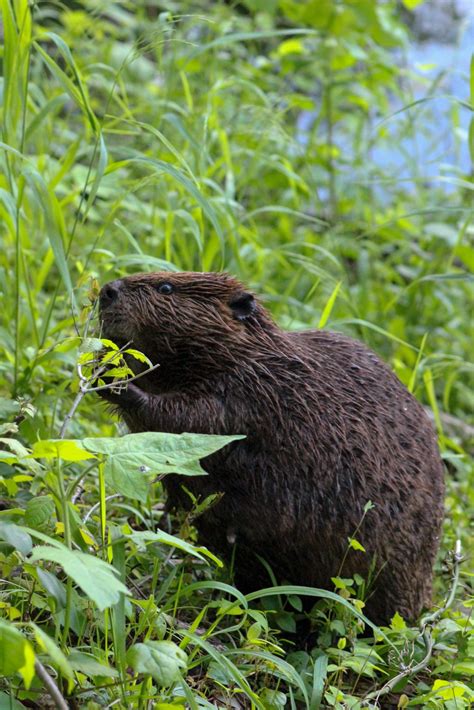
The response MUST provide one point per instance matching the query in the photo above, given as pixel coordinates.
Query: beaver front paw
(127, 396)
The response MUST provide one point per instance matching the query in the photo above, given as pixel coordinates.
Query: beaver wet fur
(328, 428)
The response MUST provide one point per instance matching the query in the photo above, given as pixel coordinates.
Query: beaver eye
(165, 289)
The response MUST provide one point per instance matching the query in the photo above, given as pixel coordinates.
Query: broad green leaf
(139, 356)
(108, 344)
(40, 513)
(131, 460)
(397, 623)
(53, 586)
(8, 408)
(65, 449)
(8, 702)
(14, 445)
(54, 652)
(273, 699)
(464, 668)
(341, 582)
(286, 621)
(95, 345)
(163, 660)
(90, 666)
(16, 653)
(450, 690)
(16, 537)
(97, 579)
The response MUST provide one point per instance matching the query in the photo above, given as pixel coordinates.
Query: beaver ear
(243, 305)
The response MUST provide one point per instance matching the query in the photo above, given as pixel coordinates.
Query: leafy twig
(84, 387)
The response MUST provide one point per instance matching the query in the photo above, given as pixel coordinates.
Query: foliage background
(247, 137)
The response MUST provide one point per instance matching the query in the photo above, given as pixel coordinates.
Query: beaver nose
(110, 293)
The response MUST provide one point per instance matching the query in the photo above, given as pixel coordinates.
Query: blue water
(436, 146)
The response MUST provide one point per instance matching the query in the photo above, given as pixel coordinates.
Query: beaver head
(186, 322)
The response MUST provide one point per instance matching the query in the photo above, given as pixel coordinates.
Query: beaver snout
(110, 293)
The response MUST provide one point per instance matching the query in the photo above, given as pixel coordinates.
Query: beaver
(328, 427)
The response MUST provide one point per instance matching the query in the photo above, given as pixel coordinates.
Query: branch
(51, 686)
(84, 387)
(116, 383)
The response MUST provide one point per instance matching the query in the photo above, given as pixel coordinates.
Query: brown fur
(328, 427)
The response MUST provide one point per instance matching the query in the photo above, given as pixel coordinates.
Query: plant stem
(68, 542)
(51, 686)
(70, 414)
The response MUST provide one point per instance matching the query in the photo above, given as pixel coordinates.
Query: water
(436, 147)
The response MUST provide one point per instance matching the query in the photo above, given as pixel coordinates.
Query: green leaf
(342, 582)
(65, 449)
(90, 666)
(165, 538)
(319, 679)
(94, 345)
(398, 623)
(286, 621)
(139, 356)
(329, 306)
(53, 586)
(133, 459)
(16, 654)
(40, 513)
(8, 702)
(355, 544)
(291, 46)
(163, 660)
(57, 657)
(254, 631)
(450, 690)
(16, 537)
(96, 578)
(8, 408)
(16, 446)
(273, 699)
(464, 668)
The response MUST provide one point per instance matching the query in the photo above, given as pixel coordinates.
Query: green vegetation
(143, 136)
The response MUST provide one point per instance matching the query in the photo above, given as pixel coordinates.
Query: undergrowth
(209, 136)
